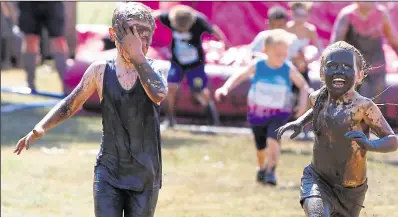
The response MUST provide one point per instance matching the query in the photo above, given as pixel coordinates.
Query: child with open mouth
(335, 182)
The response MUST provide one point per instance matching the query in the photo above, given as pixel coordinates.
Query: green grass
(204, 176)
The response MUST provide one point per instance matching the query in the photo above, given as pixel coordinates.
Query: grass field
(204, 176)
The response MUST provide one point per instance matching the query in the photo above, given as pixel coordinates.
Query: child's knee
(273, 143)
(316, 207)
(261, 146)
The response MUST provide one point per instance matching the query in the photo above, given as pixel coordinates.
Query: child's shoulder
(259, 59)
(313, 96)
(363, 102)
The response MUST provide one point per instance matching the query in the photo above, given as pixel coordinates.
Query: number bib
(270, 96)
(185, 53)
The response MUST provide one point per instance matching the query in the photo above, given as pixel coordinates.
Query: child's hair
(277, 36)
(133, 11)
(304, 5)
(182, 16)
(277, 13)
(323, 92)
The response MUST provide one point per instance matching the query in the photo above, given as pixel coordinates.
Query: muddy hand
(128, 39)
(296, 127)
(27, 140)
(360, 138)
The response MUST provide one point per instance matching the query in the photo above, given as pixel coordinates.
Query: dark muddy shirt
(335, 157)
(366, 34)
(130, 149)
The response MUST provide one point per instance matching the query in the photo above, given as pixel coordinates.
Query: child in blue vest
(270, 99)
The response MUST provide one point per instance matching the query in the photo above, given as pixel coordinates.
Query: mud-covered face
(145, 33)
(339, 72)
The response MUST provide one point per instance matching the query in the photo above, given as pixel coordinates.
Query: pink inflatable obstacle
(233, 18)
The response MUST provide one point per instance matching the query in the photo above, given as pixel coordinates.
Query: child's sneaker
(261, 176)
(270, 178)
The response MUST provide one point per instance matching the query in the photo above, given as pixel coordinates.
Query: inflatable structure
(94, 44)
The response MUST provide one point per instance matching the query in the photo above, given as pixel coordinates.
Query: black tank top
(130, 151)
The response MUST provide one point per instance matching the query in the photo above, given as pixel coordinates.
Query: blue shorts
(196, 77)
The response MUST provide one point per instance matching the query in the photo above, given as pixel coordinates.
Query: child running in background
(306, 34)
(305, 31)
(335, 182)
(269, 99)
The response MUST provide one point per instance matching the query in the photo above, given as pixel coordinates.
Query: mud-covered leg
(316, 207)
(108, 200)
(140, 204)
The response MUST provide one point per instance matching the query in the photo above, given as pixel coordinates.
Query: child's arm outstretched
(297, 125)
(234, 81)
(387, 142)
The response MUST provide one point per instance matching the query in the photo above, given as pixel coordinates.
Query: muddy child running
(335, 182)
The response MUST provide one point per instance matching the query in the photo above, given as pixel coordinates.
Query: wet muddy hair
(133, 11)
(182, 16)
(361, 65)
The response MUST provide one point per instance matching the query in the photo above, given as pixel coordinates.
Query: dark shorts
(110, 201)
(344, 202)
(196, 77)
(6, 27)
(37, 15)
(267, 130)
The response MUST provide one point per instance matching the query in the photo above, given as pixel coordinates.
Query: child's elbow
(159, 98)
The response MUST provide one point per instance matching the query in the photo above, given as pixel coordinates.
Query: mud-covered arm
(72, 103)
(387, 141)
(153, 78)
(340, 27)
(390, 32)
(307, 117)
(297, 125)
